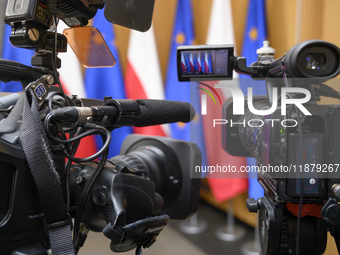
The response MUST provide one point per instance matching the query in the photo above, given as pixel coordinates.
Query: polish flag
(206, 62)
(184, 68)
(226, 185)
(71, 78)
(199, 63)
(192, 68)
(143, 79)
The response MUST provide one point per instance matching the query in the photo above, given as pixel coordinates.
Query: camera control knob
(33, 34)
(252, 205)
(99, 197)
(336, 190)
(80, 180)
(49, 79)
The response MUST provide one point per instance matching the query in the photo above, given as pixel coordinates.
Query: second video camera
(294, 140)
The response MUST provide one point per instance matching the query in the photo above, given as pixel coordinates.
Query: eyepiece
(314, 59)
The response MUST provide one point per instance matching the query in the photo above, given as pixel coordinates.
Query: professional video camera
(296, 144)
(130, 197)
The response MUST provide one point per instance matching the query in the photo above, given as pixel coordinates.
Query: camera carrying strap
(39, 158)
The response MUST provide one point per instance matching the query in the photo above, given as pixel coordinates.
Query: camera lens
(161, 165)
(315, 61)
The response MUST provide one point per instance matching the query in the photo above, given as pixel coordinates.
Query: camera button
(99, 197)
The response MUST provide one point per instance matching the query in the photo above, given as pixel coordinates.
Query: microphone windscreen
(156, 112)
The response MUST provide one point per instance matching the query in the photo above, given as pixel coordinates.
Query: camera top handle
(14, 71)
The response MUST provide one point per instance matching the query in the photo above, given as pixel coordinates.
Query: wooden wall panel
(163, 22)
(240, 9)
(331, 21)
(201, 9)
(311, 19)
(122, 41)
(281, 24)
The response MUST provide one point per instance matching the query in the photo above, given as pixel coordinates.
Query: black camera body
(22, 219)
(130, 197)
(294, 141)
(296, 148)
(276, 148)
(150, 178)
(274, 139)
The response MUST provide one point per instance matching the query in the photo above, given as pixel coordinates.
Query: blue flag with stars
(202, 63)
(183, 34)
(254, 36)
(108, 81)
(10, 52)
(210, 63)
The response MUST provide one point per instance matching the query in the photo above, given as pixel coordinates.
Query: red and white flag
(184, 68)
(206, 62)
(191, 61)
(143, 79)
(220, 32)
(71, 78)
(199, 64)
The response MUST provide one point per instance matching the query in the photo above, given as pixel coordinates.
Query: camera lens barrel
(159, 165)
(251, 132)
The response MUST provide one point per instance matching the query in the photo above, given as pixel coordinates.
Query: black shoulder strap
(39, 158)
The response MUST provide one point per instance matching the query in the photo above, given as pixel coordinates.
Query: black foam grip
(14, 71)
(156, 112)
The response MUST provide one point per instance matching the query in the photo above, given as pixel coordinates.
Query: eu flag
(20, 55)
(254, 36)
(100, 82)
(202, 63)
(183, 33)
(210, 62)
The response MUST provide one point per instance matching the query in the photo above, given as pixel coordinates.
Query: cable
(68, 164)
(47, 123)
(83, 199)
(93, 129)
(50, 107)
(54, 64)
(105, 147)
(54, 93)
